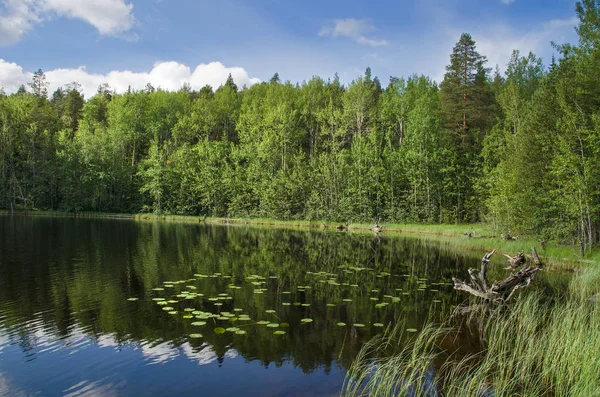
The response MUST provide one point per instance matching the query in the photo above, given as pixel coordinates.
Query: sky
(169, 42)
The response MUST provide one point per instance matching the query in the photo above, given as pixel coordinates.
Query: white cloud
(18, 18)
(109, 17)
(498, 42)
(354, 29)
(166, 75)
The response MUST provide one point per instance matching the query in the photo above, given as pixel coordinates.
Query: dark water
(68, 328)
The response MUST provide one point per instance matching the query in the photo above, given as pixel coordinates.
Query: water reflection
(64, 285)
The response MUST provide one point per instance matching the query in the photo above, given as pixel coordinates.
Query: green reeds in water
(535, 347)
(408, 371)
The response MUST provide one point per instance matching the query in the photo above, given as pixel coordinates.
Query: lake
(123, 307)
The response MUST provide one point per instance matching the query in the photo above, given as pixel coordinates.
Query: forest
(518, 149)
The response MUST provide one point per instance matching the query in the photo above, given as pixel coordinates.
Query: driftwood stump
(515, 261)
(499, 291)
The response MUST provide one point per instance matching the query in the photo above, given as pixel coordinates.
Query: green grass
(537, 347)
(556, 257)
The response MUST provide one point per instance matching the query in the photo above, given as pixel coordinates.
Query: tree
(230, 83)
(39, 85)
(464, 93)
(467, 109)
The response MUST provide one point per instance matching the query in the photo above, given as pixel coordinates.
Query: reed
(537, 347)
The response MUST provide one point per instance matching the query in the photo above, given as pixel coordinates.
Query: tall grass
(538, 347)
(408, 372)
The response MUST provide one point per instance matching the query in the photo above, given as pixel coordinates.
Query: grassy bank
(534, 348)
(557, 257)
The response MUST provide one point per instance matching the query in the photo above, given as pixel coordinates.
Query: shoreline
(556, 257)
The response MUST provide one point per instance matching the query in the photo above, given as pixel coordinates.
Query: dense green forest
(519, 149)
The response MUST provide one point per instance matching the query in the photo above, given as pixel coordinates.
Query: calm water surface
(118, 307)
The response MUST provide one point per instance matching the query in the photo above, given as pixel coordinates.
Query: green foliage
(518, 150)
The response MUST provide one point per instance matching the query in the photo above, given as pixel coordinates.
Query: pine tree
(468, 110)
(464, 92)
(230, 83)
(38, 85)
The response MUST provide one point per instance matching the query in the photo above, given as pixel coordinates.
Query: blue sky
(132, 42)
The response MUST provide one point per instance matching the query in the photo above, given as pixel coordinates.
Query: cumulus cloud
(354, 29)
(166, 75)
(17, 19)
(109, 17)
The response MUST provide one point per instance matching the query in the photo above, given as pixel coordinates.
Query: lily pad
(273, 325)
(168, 308)
(240, 332)
(306, 320)
(359, 325)
(279, 333)
(133, 299)
(195, 336)
(263, 322)
(379, 325)
(412, 330)
(198, 323)
(219, 330)
(341, 324)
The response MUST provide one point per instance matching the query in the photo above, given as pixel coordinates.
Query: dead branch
(515, 261)
(500, 291)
